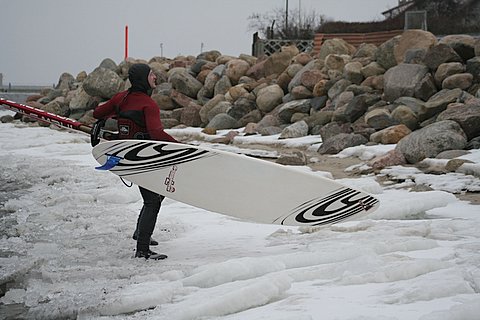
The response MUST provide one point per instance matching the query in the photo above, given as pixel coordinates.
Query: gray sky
(41, 39)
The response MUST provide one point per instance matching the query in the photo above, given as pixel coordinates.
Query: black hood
(138, 76)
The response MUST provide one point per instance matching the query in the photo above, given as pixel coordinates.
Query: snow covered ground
(66, 250)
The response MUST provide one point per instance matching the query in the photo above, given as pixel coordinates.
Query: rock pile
(414, 90)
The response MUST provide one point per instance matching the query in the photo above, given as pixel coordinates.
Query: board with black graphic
(231, 184)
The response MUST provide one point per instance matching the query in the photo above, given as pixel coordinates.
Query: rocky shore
(414, 90)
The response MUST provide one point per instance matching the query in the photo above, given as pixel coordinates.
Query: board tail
(44, 116)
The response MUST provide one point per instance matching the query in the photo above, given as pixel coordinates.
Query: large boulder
(335, 46)
(66, 82)
(413, 39)
(235, 69)
(407, 80)
(211, 80)
(279, 61)
(185, 83)
(103, 83)
(81, 101)
(385, 56)
(467, 115)
(269, 97)
(463, 44)
(429, 141)
(439, 54)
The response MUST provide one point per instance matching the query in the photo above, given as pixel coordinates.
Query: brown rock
(390, 135)
(461, 80)
(417, 39)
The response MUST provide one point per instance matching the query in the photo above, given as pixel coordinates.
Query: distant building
(1, 79)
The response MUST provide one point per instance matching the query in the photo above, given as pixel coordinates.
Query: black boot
(149, 254)
(152, 241)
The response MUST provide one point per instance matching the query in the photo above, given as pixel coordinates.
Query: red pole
(126, 42)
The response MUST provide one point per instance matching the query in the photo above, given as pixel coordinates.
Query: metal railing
(270, 46)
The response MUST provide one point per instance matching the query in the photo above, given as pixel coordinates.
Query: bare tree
(277, 24)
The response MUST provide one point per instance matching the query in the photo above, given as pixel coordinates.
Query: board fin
(111, 162)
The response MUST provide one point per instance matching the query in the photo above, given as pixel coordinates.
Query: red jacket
(136, 101)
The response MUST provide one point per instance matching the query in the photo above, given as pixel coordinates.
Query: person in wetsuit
(138, 117)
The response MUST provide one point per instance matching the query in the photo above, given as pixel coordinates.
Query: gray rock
(338, 88)
(334, 128)
(81, 100)
(296, 130)
(405, 115)
(286, 111)
(353, 72)
(319, 118)
(294, 158)
(473, 67)
(473, 144)
(429, 141)
(221, 107)
(413, 103)
(190, 116)
(403, 80)
(335, 62)
(354, 109)
(385, 54)
(269, 131)
(251, 117)
(438, 102)
(464, 45)
(7, 119)
(447, 69)
(379, 119)
(223, 121)
(297, 77)
(415, 55)
(241, 107)
(222, 86)
(450, 154)
(235, 69)
(366, 50)
(372, 69)
(439, 54)
(66, 82)
(341, 141)
(108, 64)
(211, 80)
(57, 108)
(467, 115)
(269, 97)
(103, 83)
(280, 60)
(185, 83)
(335, 46)
(205, 110)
